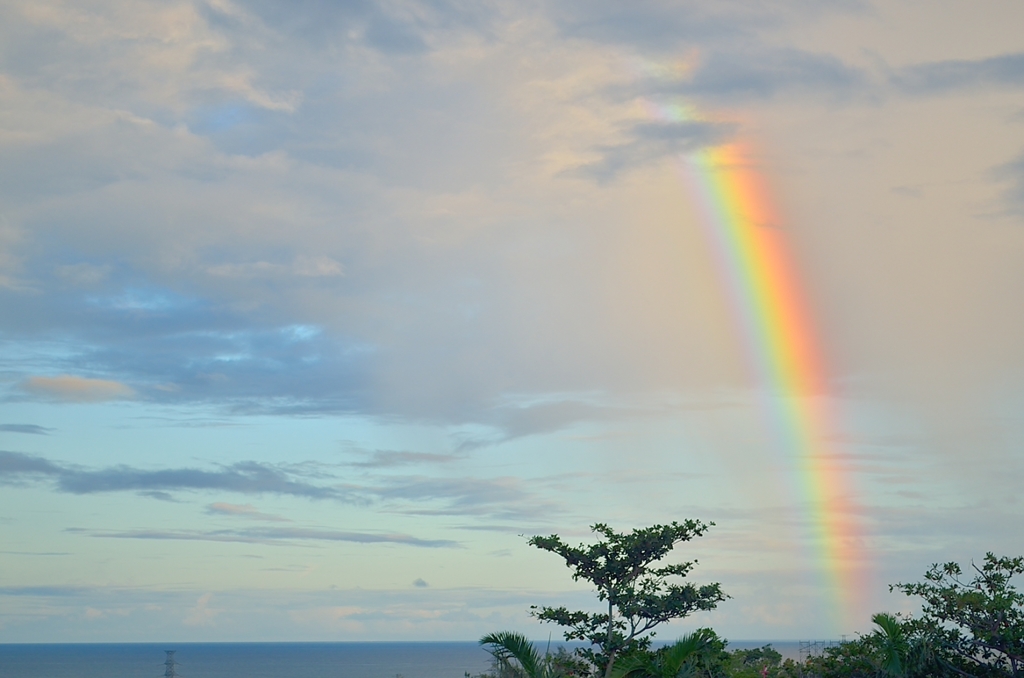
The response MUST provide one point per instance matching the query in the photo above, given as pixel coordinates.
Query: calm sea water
(259, 660)
(244, 660)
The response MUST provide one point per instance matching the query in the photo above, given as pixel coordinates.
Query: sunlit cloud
(202, 614)
(242, 511)
(75, 389)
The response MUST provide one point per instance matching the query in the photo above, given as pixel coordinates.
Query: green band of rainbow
(784, 354)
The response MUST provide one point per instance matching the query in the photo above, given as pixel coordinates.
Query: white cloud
(202, 614)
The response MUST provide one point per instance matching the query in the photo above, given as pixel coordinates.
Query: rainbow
(775, 322)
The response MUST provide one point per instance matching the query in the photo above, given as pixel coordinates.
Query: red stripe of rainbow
(783, 351)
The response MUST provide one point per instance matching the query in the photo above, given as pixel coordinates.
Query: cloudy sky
(311, 313)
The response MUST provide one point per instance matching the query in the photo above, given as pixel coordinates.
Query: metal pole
(170, 664)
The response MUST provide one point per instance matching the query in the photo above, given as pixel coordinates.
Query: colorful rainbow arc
(783, 350)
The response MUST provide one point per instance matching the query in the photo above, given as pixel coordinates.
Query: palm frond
(894, 644)
(680, 657)
(507, 645)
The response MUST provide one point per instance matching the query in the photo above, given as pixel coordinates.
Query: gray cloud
(511, 420)
(665, 25)
(752, 73)
(1012, 175)
(393, 458)
(734, 59)
(657, 25)
(159, 495)
(649, 142)
(454, 293)
(32, 429)
(174, 350)
(956, 74)
(332, 25)
(45, 591)
(768, 73)
(396, 29)
(277, 536)
(14, 466)
(499, 498)
(241, 323)
(371, 278)
(245, 478)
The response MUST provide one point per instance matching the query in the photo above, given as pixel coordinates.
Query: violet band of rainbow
(783, 352)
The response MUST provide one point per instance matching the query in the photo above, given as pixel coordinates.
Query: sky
(311, 314)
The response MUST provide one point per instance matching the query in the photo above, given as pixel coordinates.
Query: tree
(638, 595)
(980, 622)
(700, 654)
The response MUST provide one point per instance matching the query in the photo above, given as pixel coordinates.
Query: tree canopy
(638, 596)
(980, 622)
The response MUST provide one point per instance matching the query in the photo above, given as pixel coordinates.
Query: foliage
(979, 623)
(850, 659)
(516, 657)
(894, 645)
(507, 646)
(696, 655)
(569, 665)
(703, 654)
(754, 663)
(897, 648)
(638, 595)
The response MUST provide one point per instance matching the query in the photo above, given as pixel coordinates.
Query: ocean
(260, 660)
